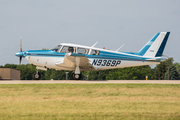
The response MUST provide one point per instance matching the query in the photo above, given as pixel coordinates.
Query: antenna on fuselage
(119, 48)
(95, 44)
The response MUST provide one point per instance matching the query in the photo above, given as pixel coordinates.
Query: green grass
(90, 101)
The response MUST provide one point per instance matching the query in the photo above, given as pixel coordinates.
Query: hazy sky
(45, 23)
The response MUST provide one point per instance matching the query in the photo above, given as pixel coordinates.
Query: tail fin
(155, 47)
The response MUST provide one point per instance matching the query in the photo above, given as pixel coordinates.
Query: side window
(82, 51)
(95, 52)
(67, 49)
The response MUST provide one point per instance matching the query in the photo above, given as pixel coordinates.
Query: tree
(26, 71)
(1, 66)
(177, 65)
(95, 75)
(131, 73)
(173, 74)
(10, 66)
(162, 68)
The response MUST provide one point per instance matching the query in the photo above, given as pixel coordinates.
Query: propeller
(20, 58)
(20, 54)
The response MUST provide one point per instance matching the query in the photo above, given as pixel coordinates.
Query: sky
(46, 23)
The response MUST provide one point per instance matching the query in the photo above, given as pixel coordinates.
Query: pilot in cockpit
(70, 49)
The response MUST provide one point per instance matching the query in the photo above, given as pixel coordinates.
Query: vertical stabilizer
(155, 47)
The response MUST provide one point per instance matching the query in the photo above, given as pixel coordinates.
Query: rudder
(155, 47)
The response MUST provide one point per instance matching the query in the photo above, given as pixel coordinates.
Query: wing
(72, 60)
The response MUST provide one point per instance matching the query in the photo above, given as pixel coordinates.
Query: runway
(88, 82)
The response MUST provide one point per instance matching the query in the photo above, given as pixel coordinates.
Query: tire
(36, 76)
(76, 76)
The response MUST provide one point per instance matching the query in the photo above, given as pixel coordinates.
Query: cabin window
(95, 52)
(82, 50)
(57, 48)
(68, 49)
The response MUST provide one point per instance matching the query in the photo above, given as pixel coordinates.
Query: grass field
(90, 101)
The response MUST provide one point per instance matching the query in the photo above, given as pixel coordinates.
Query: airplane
(78, 58)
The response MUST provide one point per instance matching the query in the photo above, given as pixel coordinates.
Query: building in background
(9, 74)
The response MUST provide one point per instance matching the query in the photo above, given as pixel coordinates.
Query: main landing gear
(36, 75)
(76, 76)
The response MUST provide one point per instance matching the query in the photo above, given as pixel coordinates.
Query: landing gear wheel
(36, 76)
(76, 76)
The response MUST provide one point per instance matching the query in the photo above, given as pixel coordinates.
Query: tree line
(166, 70)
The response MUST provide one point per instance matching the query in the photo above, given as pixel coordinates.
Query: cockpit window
(95, 52)
(68, 49)
(82, 50)
(57, 48)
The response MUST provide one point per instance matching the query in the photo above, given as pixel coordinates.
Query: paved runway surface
(87, 82)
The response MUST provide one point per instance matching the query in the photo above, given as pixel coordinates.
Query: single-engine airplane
(79, 58)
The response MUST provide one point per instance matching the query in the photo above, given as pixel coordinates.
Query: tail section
(155, 47)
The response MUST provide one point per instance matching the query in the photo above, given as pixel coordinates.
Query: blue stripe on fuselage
(102, 55)
(44, 53)
(119, 56)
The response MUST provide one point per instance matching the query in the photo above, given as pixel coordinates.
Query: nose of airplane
(18, 54)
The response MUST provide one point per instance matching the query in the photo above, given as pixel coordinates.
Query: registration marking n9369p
(101, 62)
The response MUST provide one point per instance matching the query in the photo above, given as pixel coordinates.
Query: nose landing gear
(36, 75)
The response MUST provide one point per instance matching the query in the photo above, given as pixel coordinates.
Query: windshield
(57, 48)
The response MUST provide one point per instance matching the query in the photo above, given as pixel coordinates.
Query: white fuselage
(49, 62)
